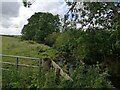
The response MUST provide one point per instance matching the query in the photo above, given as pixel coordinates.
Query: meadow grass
(15, 46)
(23, 76)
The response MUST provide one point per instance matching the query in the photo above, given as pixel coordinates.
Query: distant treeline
(11, 35)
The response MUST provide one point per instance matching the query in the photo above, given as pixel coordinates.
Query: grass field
(13, 45)
(25, 77)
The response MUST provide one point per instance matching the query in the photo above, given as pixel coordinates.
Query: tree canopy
(93, 14)
(40, 25)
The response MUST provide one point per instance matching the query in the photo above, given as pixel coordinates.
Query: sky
(13, 15)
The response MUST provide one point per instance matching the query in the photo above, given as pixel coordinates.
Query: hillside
(13, 45)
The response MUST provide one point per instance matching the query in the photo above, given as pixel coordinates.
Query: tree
(99, 16)
(92, 14)
(40, 25)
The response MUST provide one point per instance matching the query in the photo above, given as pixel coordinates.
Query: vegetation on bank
(90, 77)
(83, 76)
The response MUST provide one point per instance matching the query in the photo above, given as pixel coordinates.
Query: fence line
(62, 73)
(26, 65)
(55, 65)
(22, 57)
(17, 60)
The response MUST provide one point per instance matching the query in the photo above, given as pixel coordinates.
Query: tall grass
(23, 77)
(14, 46)
(28, 78)
(92, 77)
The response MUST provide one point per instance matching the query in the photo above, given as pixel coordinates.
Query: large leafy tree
(92, 14)
(102, 20)
(96, 16)
(40, 25)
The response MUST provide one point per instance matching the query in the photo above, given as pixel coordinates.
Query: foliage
(93, 46)
(92, 15)
(28, 78)
(88, 77)
(39, 26)
(83, 77)
(104, 19)
(51, 38)
(66, 41)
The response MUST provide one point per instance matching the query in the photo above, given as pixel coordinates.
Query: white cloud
(52, 6)
(15, 24)
(10, 31)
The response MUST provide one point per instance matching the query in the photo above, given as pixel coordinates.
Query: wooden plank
(8, 63)
(26, 65)
(22, 57)
(4, 69)
(66, 76)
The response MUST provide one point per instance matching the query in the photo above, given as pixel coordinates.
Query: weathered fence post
(46, 64)
(39, 64)
(42, 63)
(17, 61)
(57, 71)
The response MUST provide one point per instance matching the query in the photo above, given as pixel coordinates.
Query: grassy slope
(14, 46)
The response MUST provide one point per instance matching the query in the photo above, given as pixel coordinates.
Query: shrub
(66, 41)
(88, 77)
(28, 78)
(51, 38)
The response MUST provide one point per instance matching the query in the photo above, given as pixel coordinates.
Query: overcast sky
(15, 15)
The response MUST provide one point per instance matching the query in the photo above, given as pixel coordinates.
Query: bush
(93, 46)
(51, 38)
(83, 77)
(28, 78)
(88, 77)
(66, 41)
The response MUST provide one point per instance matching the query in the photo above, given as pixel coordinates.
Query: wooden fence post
(17, 61)
(46, 64)
(57, 71)
(40, 64)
